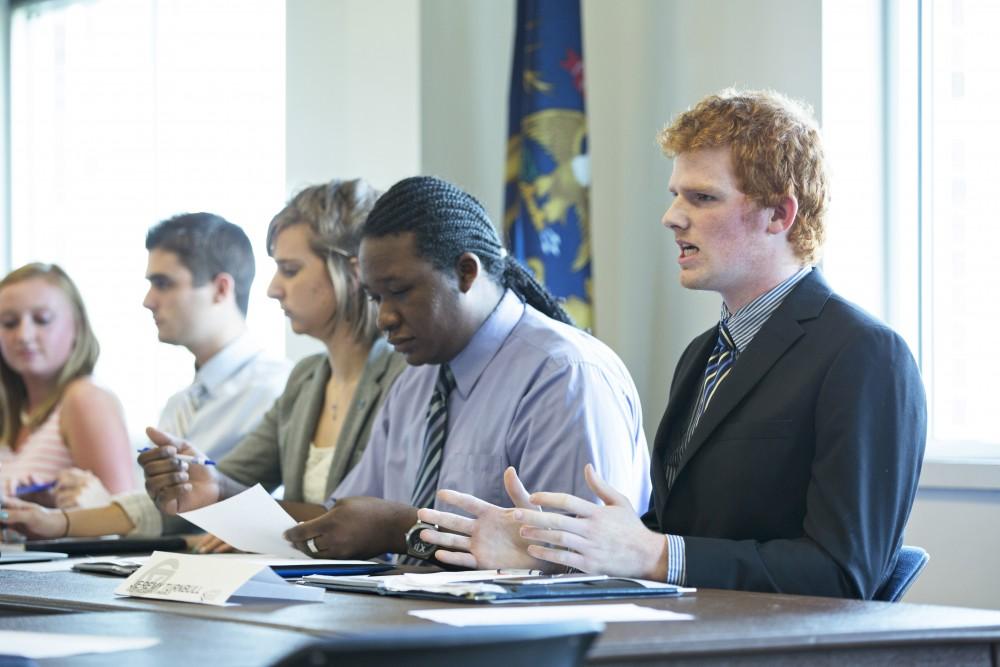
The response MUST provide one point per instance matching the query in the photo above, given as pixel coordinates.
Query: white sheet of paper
(449, 583)
(609, 613)
(208, 580)
(39, 645)
(250, 521)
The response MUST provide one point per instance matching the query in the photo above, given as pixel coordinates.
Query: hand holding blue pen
(171, 481)
(25, 489)
(202, 460)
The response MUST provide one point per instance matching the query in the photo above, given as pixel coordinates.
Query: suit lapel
(774, 339)
(302, 420)
(366, 397)
(683, 388)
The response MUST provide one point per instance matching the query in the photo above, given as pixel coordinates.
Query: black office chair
(909, 564)
(551, 645)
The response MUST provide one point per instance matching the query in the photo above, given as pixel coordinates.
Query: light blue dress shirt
(530, 392)
(232, 392)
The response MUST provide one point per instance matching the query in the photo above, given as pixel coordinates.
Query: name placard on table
(212, 581)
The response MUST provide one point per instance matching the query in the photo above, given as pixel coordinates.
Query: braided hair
(447, 222)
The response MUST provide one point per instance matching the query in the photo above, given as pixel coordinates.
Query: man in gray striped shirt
(788, 455)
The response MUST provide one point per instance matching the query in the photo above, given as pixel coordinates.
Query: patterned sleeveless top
(43, 454)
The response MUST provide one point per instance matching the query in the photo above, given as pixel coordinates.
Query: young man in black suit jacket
(788, 456)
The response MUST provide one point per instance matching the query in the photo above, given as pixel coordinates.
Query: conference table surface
(729, 627)
(184, 640)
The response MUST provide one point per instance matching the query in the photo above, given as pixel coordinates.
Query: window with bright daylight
(913, 146)
(124, 113)
(961, 239)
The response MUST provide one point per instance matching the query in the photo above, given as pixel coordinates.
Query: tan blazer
(276, 451)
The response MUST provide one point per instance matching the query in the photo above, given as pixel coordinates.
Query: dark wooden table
(732, 628)
(184, 640)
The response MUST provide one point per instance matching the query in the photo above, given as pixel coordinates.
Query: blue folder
(306, 568)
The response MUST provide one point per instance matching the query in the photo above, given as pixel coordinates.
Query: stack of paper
(499, 585)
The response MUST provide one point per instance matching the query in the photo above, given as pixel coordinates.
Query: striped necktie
(437, 432)
(720, 363)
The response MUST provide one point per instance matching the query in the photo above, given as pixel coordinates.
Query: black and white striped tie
(437, 432)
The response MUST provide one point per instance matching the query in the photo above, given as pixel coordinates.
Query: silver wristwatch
(415, 546)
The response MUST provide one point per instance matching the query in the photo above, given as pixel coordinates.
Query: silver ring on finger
(311, 545)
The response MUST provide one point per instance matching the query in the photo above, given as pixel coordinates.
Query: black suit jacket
(801, 473)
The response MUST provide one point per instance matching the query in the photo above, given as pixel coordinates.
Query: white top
(316, 473)
(232, 392)
(43, 455)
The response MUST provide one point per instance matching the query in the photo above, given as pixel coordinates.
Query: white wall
(353, 97)
(4, 136)
(955, 518)
(465, 51)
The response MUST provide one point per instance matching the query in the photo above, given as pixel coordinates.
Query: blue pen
(201, 460)
(34, 488)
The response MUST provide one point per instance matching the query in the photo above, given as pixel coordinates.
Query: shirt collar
(746, 322)
(469, 364)
(226, 362)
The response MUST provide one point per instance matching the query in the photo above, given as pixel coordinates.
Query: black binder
(91, 546)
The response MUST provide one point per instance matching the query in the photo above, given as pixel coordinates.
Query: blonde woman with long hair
(53, 417)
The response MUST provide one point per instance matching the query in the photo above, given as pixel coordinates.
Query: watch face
(421, 549)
